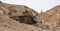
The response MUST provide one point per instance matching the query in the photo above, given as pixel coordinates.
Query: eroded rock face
(12, 11)
(17, 16)
(8, 24)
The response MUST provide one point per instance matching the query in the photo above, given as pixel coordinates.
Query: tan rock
(52, 17)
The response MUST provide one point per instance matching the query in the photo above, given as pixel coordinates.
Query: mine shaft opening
(24, 19)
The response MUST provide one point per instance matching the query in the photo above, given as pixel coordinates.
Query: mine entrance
(24, 19)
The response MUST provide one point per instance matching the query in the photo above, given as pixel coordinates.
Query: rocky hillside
(16, 11)
(52, 17)
(23, 18)
(19, 18)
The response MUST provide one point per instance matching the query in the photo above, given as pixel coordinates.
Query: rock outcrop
(17, 18)
(18, 12)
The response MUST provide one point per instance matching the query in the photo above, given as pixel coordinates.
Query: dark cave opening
(24, 19)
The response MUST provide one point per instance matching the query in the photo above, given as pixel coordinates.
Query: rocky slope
(16, 11)
(23, 18)
(18, 18)
(52, 17)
